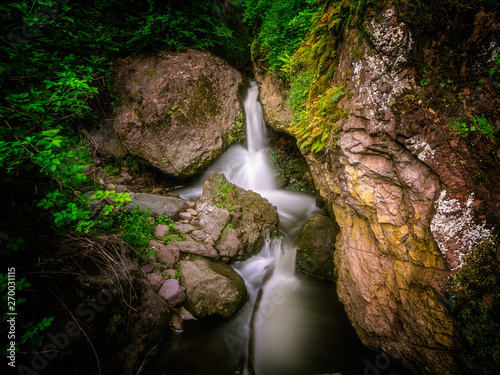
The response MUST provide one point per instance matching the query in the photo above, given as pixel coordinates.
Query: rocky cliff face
(178, 111)
(405, 210)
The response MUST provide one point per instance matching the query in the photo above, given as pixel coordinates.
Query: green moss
(475, 301)
(151, 73)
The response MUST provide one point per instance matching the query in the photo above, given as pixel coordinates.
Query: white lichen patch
(455, 229)
(420, 148)
(357, 71)
(378, 78)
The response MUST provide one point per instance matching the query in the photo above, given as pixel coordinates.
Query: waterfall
(291, 324)
(272, 341)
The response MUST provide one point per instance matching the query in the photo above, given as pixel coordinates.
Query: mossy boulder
(183, 116)
(251, 218)
(212, 288)
(316, 247)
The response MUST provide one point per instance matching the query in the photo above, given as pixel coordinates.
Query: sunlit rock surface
(404, 208)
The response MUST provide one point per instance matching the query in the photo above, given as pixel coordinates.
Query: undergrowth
(475, 301)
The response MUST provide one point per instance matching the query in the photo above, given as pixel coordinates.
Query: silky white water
(298, 327)
(277, 322)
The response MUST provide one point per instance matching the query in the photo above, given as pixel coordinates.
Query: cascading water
(291, 324)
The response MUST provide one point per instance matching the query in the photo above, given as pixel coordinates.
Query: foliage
(475, 300)
(173, 234)
(54, 73)
(137, 229)
(33, 331)
(312, 96)
(476, 124)
(278, 26)
(30, 331)
(221, 192)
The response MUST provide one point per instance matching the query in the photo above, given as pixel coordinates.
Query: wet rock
(196, 248)
(241, 224)
(177, 323)
(316, 247)
(157, 205)
(401, 199)
(212, 288)
(178, 111)
(172, 292)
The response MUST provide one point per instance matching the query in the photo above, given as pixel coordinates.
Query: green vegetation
(476, 124)
(137, 228)
(221, 192)
(279, 27)
(54, 73)
(475, 300)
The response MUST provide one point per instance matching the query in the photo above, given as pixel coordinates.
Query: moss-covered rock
(316, 247)
(251, 218)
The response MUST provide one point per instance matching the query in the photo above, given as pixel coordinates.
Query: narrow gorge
(261, 187)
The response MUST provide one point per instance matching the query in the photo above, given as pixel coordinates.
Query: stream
(292, 324)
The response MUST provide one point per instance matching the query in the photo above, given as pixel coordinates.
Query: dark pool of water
(329, 343)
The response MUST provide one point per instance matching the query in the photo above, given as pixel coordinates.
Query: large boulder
(316, 247)
(212, 288)
(237, 220)
(178, 111)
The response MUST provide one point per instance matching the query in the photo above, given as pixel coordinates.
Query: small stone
(191, 204)
(173, 292)
(148, 268)
(125, 177)
(110, 186)
(122, 188)
(166, 254)
(189, 238)
(195, 222)
(196, 248)
(192, 212)
(184, 228)
(155, 280)
(185, 216)
(210, 241)
(176, 323)
(199, 235)
(157, 190)
(161, 230)
(169, 272)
